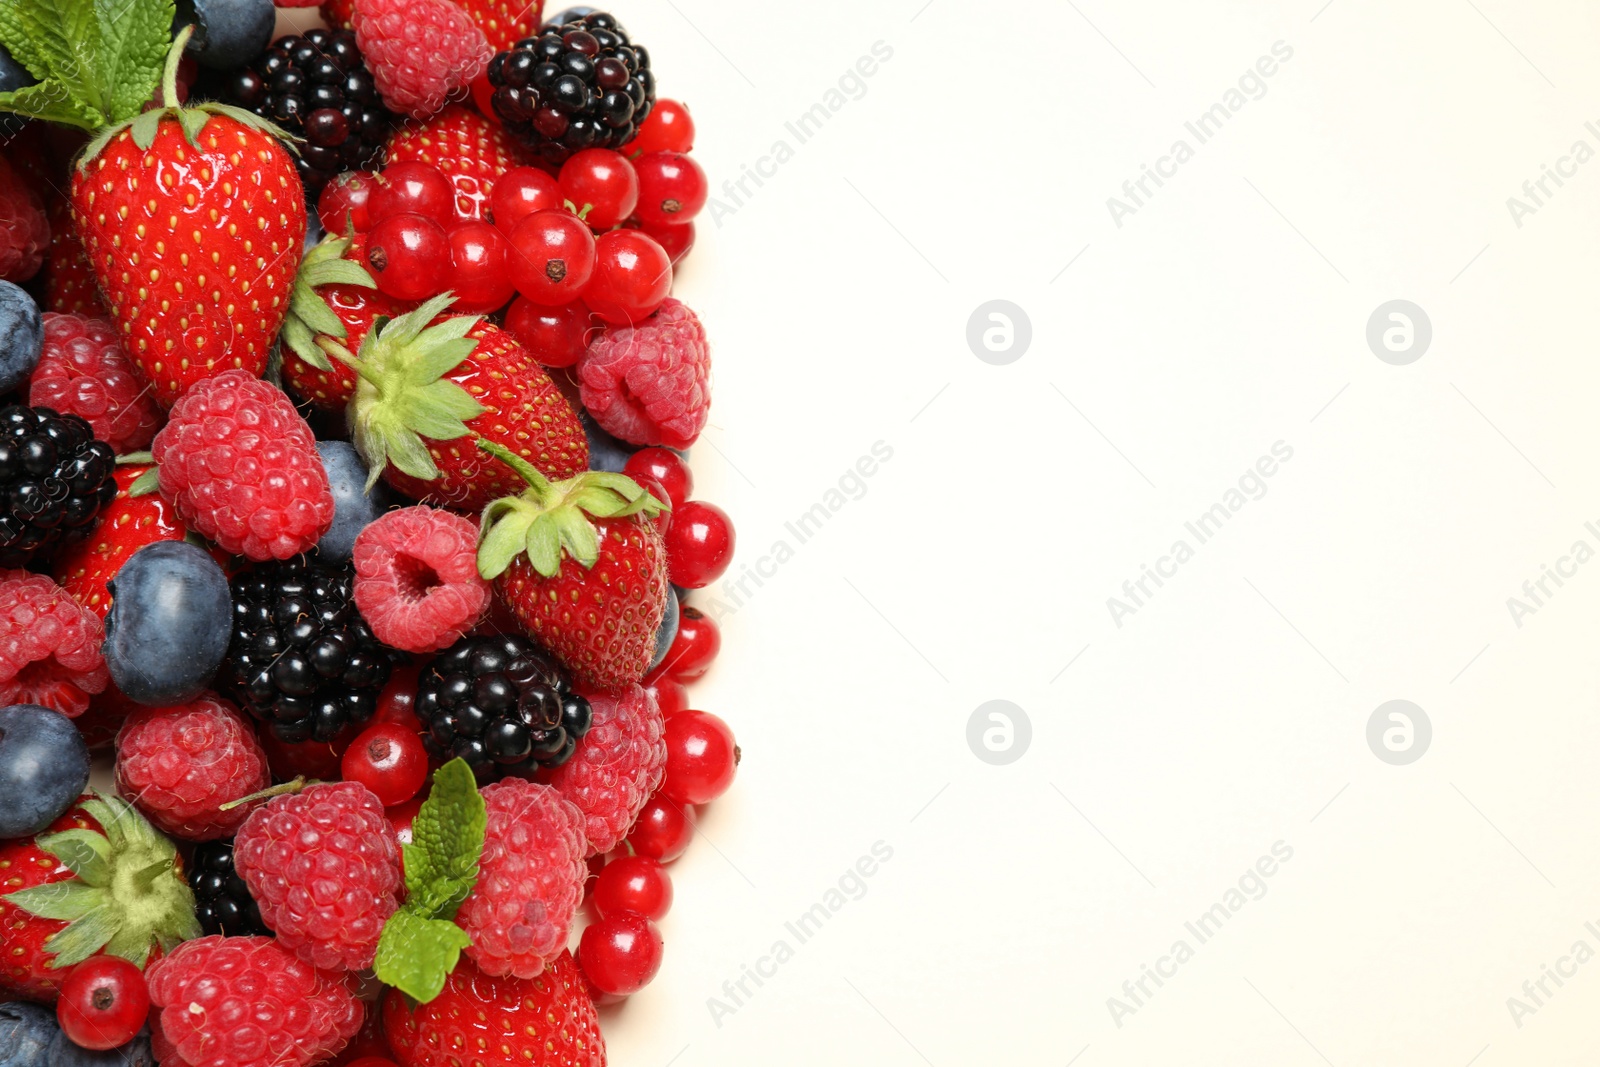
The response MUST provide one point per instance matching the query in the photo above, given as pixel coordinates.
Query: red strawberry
(505, 22)
(70, 287)
(85, 886)
(582, 567)
(338, 14)
(194, 241)
(333, 307)
(469, 149)
(430, 386)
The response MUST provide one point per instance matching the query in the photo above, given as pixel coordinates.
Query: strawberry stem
(536, 481)
(169, 73)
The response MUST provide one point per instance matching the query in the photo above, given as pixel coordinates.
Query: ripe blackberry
(222, 902)
(580, 84)
(302, 659)
(501, 703)
(55, 479)
(316, 86)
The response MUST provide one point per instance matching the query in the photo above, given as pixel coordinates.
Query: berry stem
(169, 73)
(536, 481)
(271, 791)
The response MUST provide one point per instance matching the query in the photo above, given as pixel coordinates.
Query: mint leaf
(447, 839)
(134, 35)
(97, 61)
(416, 955)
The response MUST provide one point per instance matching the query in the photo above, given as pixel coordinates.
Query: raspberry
(24, 229)
(619, 763)
(530, 879)
(241, 467)
(84, 371)
(245, 1002)
(648, 384)
(179, 765)
(49, 646)
(417, 580)
(324, 868)
(420, 52)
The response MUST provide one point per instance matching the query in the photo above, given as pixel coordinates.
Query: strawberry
(582, 567)
(100, 879)
(333, 306)
(70, 287)
(430, 385)
(505, 22)
(469, 149)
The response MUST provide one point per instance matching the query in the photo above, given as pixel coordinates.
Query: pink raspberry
(245, 1002)
(324, 868)
(179, 765)
(530, 879)
(241, 467)
(417, 580)
(618, 764)
(84, 371)
(49, 646)
(649, 384)
(24, 227)
(420, 52)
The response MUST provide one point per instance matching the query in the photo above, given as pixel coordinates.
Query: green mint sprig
(96, 62)
(420, 943)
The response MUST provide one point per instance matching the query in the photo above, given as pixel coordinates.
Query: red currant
(676, 241)
(671, 696)
(401, 816)
(620, 953)
(552, 256)
(412, 189)
(480, 274)
(555, 336)
(103, 1003)
(672, 188)
(700, 546)
(668, 129)
(632, 276)
(408, 255)
(519, 192)
(389, 760)
(663, 829)
(666, 468)
(397, 703)
(701, 758)
(696, 644)
(344, 203)
(601, 187)
(636, 884)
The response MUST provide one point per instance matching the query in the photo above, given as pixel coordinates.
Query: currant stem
(271, 791)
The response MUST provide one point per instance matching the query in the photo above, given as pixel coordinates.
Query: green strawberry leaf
(505, 541)
(65, 901)
(84, 937)
(83, 852)
(416, 955)
(146, 483)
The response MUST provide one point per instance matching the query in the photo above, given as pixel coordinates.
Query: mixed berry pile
(345, 511)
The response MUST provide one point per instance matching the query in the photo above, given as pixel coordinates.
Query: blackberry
(222, 903)
(301, 658)
(580, 84)
(316, 86)
(55, 479)
(502, 704)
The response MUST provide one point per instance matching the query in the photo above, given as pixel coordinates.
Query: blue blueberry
(13, 75)
(63, 1053)
(171, 616)
(353, 507)
(228, 33)
(44, 766)
(31, 1037)
(606, 453)
(666, 631)
(21, 336)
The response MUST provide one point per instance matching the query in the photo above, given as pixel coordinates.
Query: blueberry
(171, 617)
(21, 333)
(13, 75)
(228, 33)
(44, 766)
(26, 1031)
(63, 1053)
(606, 453)
(666, 631)
(353, 507)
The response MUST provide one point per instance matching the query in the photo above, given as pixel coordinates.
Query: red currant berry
(672, 188)
(389, 760)
(701, 758)
(620, 953)
(636, 884)
(668, 129)
(552, 256)
(480, 273)
(344, 202)
(700, 546)
(666, 468)
(412, 189)
(401, 816)
(632, 276)
(676, 241)
(519, 192)
(408, 256)
(555, 336)
(663, 829)
(671, 696)
(103, 1003)
(601, 186)
(696, 644)
(397, 703)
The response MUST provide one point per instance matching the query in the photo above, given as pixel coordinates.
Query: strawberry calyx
(312, 329)
(127, 894)
(549, 518)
